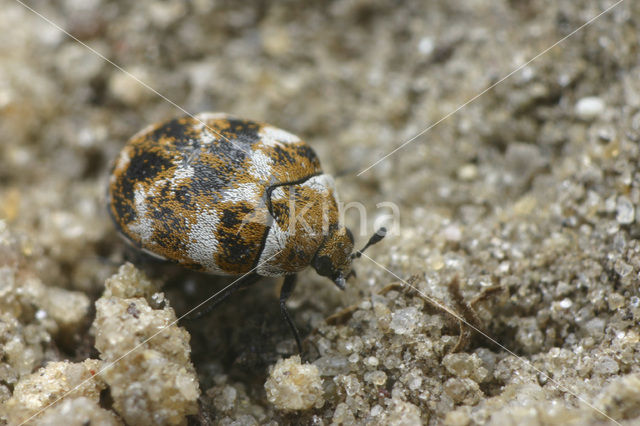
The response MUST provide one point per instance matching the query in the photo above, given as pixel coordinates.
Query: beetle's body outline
(217, 193)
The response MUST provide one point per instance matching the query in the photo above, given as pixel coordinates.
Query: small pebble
(371, 361)
(292, 385)
(625, 211)
(615, 301)
(622, 268)
(565, 303)
(378, 378)
(463, 391)
(452, 233)
(589, 108)
(127, 89)
(465, 366)
(468, 172)
(426, 46)
(595, 327)
(405, 321)
(606, 366)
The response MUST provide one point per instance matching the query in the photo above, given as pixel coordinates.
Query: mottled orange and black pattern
(197, 194)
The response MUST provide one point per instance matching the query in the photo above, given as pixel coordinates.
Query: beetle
(231, 196)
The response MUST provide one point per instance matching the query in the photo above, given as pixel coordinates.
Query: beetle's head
(333, 259)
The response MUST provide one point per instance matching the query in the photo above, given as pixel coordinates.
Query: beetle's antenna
(375, 238)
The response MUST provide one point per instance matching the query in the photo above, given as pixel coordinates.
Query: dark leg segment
(243, 282)
(287, 288)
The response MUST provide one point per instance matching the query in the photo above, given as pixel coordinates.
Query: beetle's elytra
(230, 196)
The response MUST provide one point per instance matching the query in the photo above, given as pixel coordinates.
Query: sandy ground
(528, 196)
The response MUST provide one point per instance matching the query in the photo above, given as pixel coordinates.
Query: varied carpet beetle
(231, 196)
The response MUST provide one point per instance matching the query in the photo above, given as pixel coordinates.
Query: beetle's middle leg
(287, 288)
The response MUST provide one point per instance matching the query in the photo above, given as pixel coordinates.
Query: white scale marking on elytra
(206, 137)
(278, 194)
(206, 116)
(143, 225)
(321, 183)
(260, 168)
(272, 136)
(249, 192)
(181, 174)
(202, 243)
(123, 160)
(277, 241)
